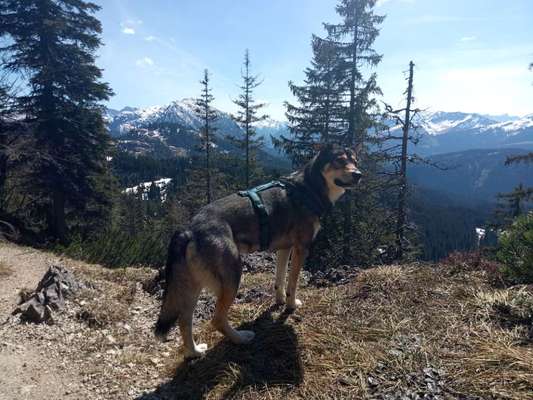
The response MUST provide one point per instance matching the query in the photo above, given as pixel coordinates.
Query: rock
(34, 311)
(56, 284)
(333, 276)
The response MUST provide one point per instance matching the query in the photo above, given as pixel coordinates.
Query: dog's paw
(244, 337)
(197, 352)
(280, 300)
(294, 305)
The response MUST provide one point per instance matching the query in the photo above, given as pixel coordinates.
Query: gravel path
(28, 370)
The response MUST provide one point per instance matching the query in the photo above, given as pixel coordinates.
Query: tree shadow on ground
(272, 359)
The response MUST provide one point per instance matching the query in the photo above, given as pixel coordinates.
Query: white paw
(201, 348)
(244, 337)
(292, 305)
(198, 351)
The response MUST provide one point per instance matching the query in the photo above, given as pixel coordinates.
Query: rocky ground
(394, 332)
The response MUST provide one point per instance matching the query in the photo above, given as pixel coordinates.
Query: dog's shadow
(272, 359)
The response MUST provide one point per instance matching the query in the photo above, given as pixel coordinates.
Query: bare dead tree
(405, 122)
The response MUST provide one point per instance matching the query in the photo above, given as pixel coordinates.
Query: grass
(412, 330)
(389, 331)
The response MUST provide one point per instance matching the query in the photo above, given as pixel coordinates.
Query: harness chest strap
(261, 211)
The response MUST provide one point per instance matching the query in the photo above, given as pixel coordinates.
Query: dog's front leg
(298, 259)
(281, 274)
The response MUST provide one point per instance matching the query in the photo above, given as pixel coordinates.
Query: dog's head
(339, 166)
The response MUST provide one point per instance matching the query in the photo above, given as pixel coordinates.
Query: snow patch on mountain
(144, 188)
(514, 127)
(440, 122)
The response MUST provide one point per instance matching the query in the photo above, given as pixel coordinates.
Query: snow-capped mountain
(173, 129)
(443, 132)
(440, 122)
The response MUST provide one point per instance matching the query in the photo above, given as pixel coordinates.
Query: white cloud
(150, 38)
(144, 62)
(129, 26)
(468, 38)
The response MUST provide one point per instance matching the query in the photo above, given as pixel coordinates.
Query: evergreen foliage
(204, 109)
(247, 116)
(53, 43)
(516, 250)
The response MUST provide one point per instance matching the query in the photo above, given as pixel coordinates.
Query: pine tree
(246, 117)
(319, 116)
(53, 43)
(204, 109)
(352, 40)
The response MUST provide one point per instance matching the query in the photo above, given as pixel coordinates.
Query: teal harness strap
(261, 211)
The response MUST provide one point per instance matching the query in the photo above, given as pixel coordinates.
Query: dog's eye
(340, 162)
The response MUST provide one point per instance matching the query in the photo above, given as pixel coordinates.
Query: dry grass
(384, 333)
(412, 330)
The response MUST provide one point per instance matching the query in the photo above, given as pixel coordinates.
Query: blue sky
(470, 55)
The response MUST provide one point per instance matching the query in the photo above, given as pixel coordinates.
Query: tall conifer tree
(247, 116)
(53, 43)
(353, 38)
(318, 117)
(204, 109)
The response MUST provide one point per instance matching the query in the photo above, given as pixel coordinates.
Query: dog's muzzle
(355, 178)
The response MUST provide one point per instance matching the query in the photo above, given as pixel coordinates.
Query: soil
(28, 369)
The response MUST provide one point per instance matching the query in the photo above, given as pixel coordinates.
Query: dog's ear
(358, 149)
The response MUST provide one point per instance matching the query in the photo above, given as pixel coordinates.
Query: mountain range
(173, 129)
(444, 132)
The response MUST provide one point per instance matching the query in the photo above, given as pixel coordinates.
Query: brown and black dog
(207, 254)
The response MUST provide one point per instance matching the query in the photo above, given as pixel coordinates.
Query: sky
(470, 56)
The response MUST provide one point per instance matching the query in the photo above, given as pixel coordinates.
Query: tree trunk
(347, 226)
(57, 221)
(400, 229)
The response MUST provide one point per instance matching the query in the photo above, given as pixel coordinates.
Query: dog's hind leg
(281, 272)
(185, 322)
(298, 259)
(232, 270)
(179, 303)
(220, 318)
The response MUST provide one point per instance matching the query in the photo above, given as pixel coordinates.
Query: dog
(207, 254)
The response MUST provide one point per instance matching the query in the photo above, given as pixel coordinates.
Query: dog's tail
(176, 258)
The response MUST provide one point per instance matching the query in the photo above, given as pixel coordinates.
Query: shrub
(516, 250)
(116, 248)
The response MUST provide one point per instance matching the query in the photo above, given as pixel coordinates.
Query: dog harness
(296, 192)
(261, 211)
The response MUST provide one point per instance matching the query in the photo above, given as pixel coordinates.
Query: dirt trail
(29, 370)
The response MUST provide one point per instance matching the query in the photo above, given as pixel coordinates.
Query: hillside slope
(417, 331)
(473, 176)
